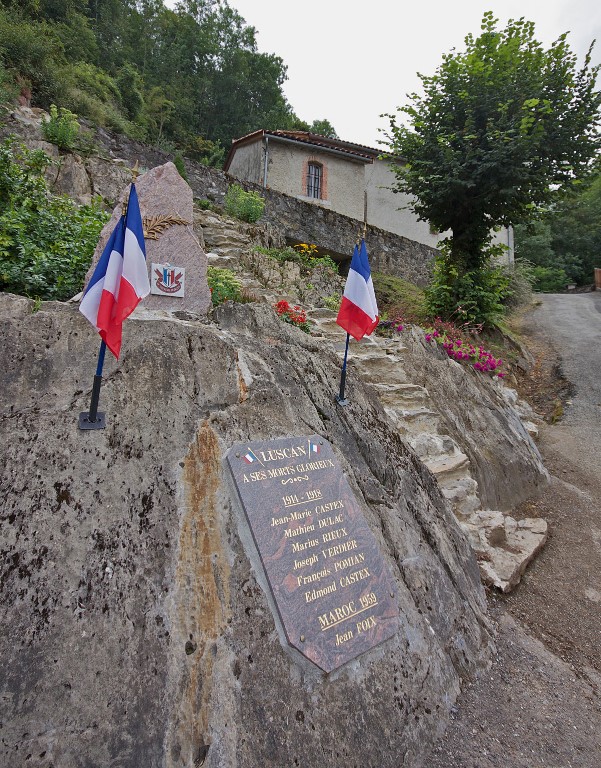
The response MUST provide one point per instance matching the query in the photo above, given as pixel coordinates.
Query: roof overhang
(354, 153)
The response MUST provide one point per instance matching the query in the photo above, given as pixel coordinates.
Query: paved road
(572, 323)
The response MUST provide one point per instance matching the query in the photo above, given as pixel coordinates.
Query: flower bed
(294, 315)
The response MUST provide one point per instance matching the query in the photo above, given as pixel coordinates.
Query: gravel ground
(540, 703)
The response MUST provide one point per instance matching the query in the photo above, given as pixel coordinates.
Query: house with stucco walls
(347, 178)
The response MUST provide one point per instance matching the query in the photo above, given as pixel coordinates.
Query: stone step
(394, 396)
(504, 546)
(382, 369)
(221, 260)
(448, 466)
(321, 313)
(329, 328)
(217, 240)
(413, 422)
(228, 250)
(432, 446)
(462, 493)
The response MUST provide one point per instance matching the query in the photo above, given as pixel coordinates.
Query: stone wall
(106, 174)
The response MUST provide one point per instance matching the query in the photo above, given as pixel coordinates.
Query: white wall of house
(388, 210)
(342, 181)
(247, 163)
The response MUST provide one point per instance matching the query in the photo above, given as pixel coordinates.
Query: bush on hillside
(246, 206)
(224, 285)
(46, 241)
(549, 279)
(61, 128)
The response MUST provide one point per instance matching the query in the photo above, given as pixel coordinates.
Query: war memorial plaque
(332, 588)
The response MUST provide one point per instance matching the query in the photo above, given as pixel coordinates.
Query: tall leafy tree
(324, 128)
(567, 236)
(189, 77)
(501, 127)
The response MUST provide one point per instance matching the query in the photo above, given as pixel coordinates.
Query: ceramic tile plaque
(327, 575)
(167, 280)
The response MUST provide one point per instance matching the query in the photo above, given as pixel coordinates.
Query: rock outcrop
(472, 432)
(135, 629)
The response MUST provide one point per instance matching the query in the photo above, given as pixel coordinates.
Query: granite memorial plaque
(330, 583)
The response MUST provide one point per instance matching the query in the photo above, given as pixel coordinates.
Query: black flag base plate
(85, 423)
(341, 400)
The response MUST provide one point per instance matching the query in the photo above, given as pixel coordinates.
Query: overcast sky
(350, 61)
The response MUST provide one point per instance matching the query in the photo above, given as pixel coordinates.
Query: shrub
(62, 127)
(246, 206)
(293, 315)
(520, 277)
(549, 279)
(8, 88)
(178, 162)
(224, 285)
(46, 240)
(459, 344)
(478, 295)
(204, 151)
(302, 255)
(333, 301)
(31, 51)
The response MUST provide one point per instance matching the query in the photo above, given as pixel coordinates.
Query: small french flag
(313, 448)
(358, 313)
(120, 280)
(250, 457)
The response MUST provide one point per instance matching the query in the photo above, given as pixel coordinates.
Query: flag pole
(93, 419)
(340, 399)
(360, 302)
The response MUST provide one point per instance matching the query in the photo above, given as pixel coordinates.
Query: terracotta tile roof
(356, 151)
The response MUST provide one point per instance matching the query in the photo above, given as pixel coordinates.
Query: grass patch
(399, 299)
(299, 255)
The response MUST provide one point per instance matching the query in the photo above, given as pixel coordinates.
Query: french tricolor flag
(358, 313)
(250, 457)
(120, 280)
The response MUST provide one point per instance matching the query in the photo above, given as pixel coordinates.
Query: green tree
(567, 236)
(501, 127)
(576, 231)
(174, 76)
(324, 128)
(131, 88)
(159, 111)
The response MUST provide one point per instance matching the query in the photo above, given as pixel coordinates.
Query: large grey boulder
(135, 630)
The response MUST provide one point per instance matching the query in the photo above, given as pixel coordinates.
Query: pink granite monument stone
(177, 265)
